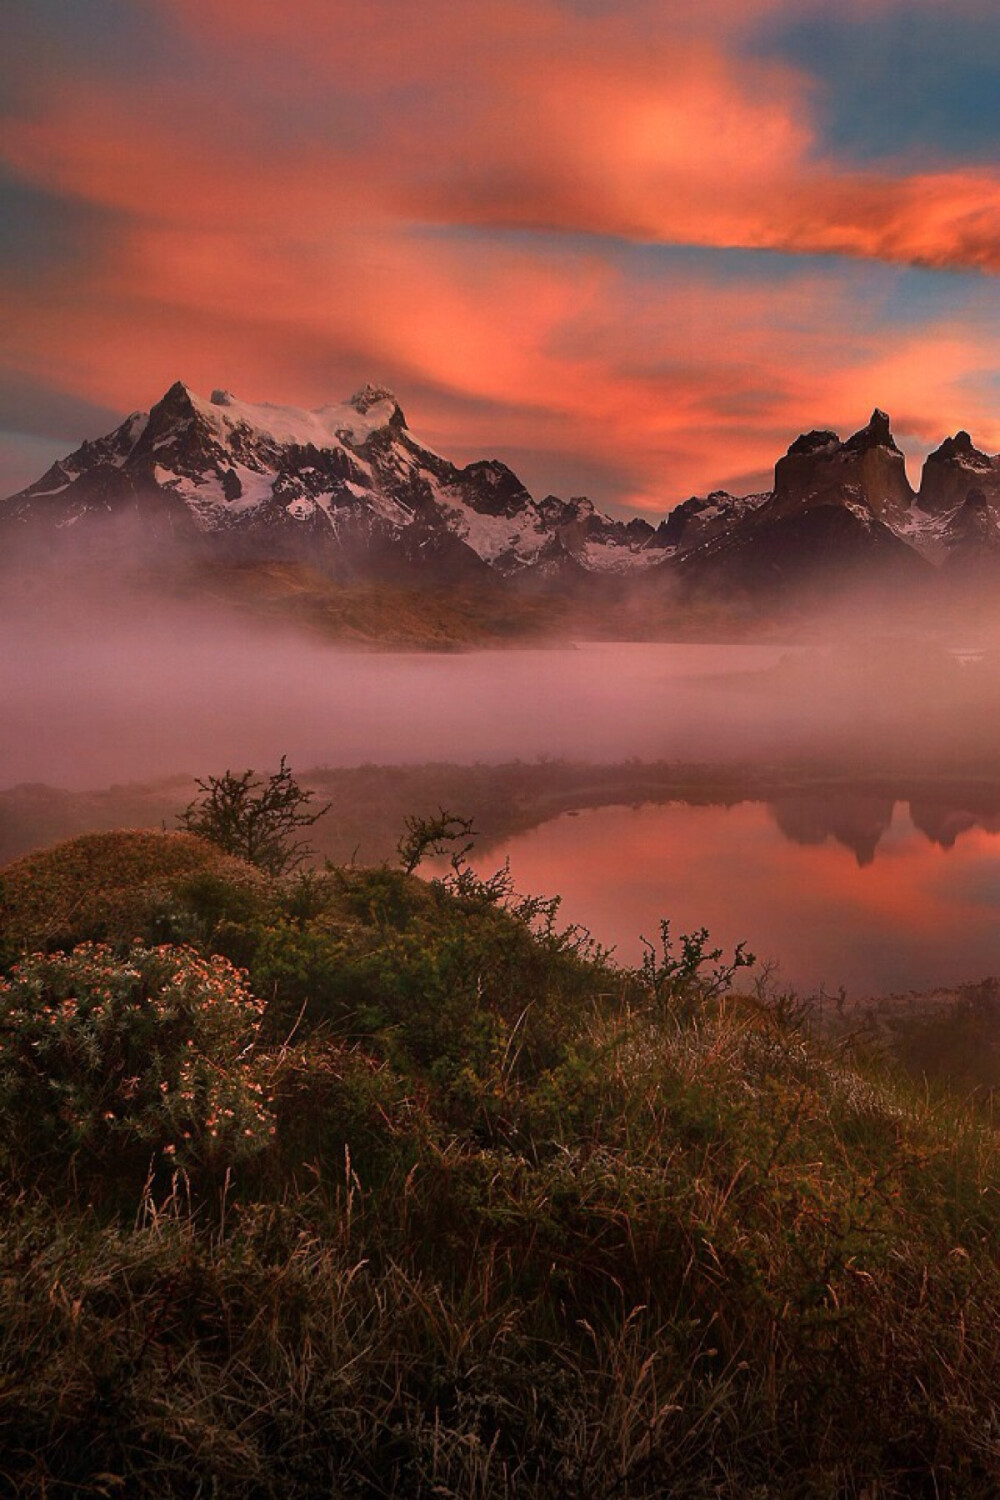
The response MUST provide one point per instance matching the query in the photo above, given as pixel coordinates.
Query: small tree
(432, 836)
(256, 820)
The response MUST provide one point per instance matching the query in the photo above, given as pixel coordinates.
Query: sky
(631, 247)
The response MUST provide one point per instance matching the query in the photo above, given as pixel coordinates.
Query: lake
(870, 901)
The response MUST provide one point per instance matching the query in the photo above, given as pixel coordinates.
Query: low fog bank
(90, 705)
(93, 696)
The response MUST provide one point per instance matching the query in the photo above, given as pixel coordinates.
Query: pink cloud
(557, 352)
(546, 124)
(642, 124)
(290, 264)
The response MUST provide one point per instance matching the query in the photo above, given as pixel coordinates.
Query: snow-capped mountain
(346, 487)
(348, 490)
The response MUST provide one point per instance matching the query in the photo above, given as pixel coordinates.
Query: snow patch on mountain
(353, 422)
(494, 538)
(926, 533)
(608, 555)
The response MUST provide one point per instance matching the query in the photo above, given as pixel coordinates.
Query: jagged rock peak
(952, 469)
(178, 410)
(877, 434)
(867, 469)
(815, 441)
(177, 395)
(561, 512)
(372, 395)
(960, 446)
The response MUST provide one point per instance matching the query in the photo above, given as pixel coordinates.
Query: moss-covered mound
(118, 886)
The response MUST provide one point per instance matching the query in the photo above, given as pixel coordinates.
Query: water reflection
(852, 819)
(943, 825)
(859, 821)
(916, 907)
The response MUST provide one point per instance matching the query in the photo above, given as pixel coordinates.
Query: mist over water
(91, 698)
(99, 709)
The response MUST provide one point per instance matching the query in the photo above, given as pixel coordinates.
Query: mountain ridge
(349, 490)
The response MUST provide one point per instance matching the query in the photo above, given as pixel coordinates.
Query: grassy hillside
(378, 614)
(357, 1185)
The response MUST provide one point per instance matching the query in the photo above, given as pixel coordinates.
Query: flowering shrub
(110, 1058)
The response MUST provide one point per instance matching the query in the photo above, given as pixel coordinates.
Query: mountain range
(349, 492)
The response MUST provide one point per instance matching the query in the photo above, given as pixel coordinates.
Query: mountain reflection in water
(918, 905)
(859, 821)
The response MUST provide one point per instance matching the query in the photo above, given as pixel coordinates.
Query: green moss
(119, 886)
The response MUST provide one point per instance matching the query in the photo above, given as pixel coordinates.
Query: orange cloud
(288, 246)
(522, 115)
(495, 347)
(639, 124)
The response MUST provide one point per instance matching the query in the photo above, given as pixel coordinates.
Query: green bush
(254, 820)
(437, 979)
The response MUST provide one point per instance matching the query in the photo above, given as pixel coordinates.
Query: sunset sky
(632, 248)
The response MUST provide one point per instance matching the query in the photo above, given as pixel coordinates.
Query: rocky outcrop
(971, 536)
(799, 555)
(953, 471)
(834, 515)
(868, 469)
(699, 519)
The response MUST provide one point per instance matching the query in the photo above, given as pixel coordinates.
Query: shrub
(436, 977)
(256, 820)
(433, 836)
(105, 1062)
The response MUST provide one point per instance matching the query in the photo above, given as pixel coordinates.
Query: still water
(878, 900)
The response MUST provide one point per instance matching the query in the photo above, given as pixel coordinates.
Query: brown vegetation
(528, 1224)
